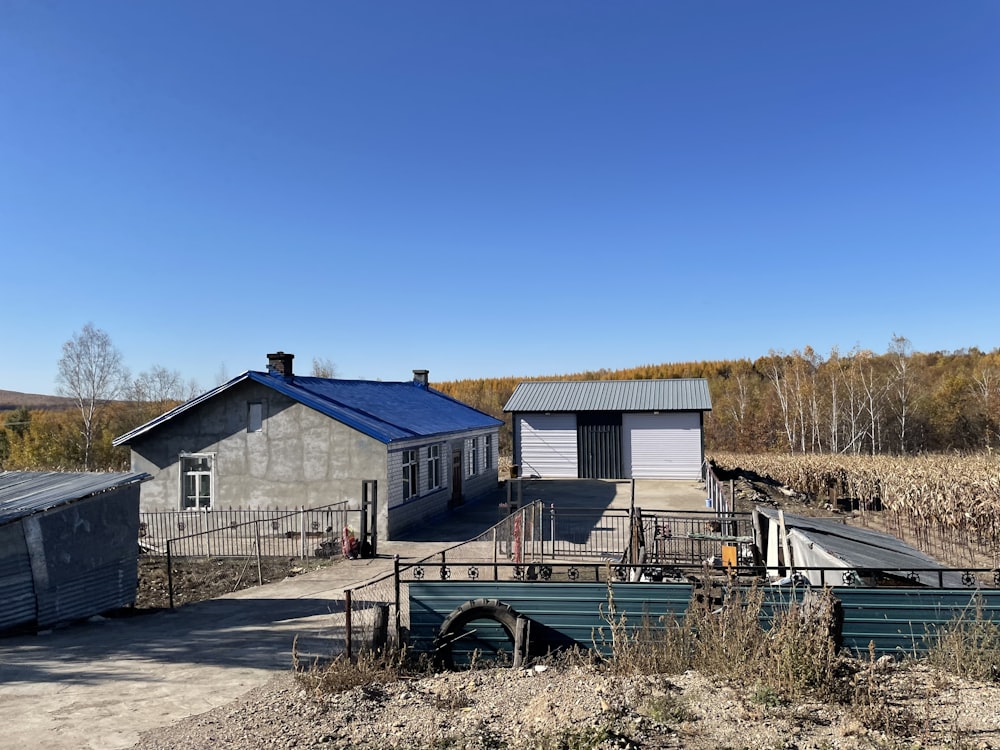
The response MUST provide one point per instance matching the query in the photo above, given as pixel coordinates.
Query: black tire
(475, 609)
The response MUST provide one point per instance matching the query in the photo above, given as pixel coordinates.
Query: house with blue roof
(279, 440)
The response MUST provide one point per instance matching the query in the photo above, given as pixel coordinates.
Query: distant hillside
(15, 400)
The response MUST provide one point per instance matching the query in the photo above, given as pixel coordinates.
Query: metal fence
(243, 533)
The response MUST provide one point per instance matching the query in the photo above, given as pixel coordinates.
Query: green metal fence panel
(563, 614)
(904, 621)
(897, 621)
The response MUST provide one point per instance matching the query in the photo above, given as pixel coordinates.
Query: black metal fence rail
(244, 533)
(693, 538)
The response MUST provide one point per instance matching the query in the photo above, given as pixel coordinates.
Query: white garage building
(610, 429)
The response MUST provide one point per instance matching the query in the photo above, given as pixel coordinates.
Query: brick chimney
(420, 378)
(280, 363)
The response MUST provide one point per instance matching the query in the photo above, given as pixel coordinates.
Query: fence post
(170, 576)
(347, 623)
(399, 620)
(256, 538)
(522, 535)
(552, 528)
(541, 530)
(302, 530)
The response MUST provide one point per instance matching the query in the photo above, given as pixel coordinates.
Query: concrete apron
(100, 683)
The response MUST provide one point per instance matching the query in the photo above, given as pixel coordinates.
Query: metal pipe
(347, 623)
(396, 586)
(256, 538)
(170, 576)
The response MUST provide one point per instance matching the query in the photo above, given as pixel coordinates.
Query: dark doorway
(456, 478)
(599, 445)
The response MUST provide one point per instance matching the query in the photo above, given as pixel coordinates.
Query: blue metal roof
(24, 493)
(386, 411)
(676, 394)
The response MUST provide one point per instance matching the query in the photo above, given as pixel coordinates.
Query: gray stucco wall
(300, 457)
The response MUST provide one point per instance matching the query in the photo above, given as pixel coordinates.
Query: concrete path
(99, 684)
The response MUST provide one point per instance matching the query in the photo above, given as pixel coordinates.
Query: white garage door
(663, 446)
(548, 445)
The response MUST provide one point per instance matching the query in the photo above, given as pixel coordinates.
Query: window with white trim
(410, 486)
(474, 456)
(197, 481)
(488, 451)
(433, 467)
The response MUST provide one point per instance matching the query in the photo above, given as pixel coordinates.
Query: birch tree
(91, 373)
(900, 351)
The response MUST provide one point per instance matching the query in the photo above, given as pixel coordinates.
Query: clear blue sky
(487, 189)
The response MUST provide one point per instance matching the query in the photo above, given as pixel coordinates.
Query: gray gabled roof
(677, 394)
(24, 493)
(386, 411)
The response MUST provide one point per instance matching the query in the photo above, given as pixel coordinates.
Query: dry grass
(785, 650)
(968, 646)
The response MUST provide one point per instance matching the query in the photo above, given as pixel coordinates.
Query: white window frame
(473, 456)
(411, 473)
(434, 467)
(255, 416)
(199, 474)
(488, 451)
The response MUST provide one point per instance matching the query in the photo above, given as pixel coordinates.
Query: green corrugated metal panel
(564, 613)
(896, 620)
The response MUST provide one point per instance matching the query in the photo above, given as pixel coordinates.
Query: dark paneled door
(599, 445)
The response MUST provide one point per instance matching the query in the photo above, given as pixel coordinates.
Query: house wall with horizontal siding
(431, 502)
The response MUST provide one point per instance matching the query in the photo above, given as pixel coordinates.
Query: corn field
(948, 501)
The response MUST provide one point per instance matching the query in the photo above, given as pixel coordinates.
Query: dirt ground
(197, 579)
(898, 705)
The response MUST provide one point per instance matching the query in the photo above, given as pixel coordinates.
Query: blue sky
(487, 189)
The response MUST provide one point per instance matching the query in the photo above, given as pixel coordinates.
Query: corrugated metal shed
(678, 394)
(861, 549)
(382, 410)
(68, 545)
(24, 493)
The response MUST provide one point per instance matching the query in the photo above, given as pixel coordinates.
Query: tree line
(859, 403)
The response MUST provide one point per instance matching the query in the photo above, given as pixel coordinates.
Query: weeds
(785, 648)
(968, 646)
(668, 709)
(341, 673)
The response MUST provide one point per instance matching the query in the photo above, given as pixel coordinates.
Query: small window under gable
(255, 416)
